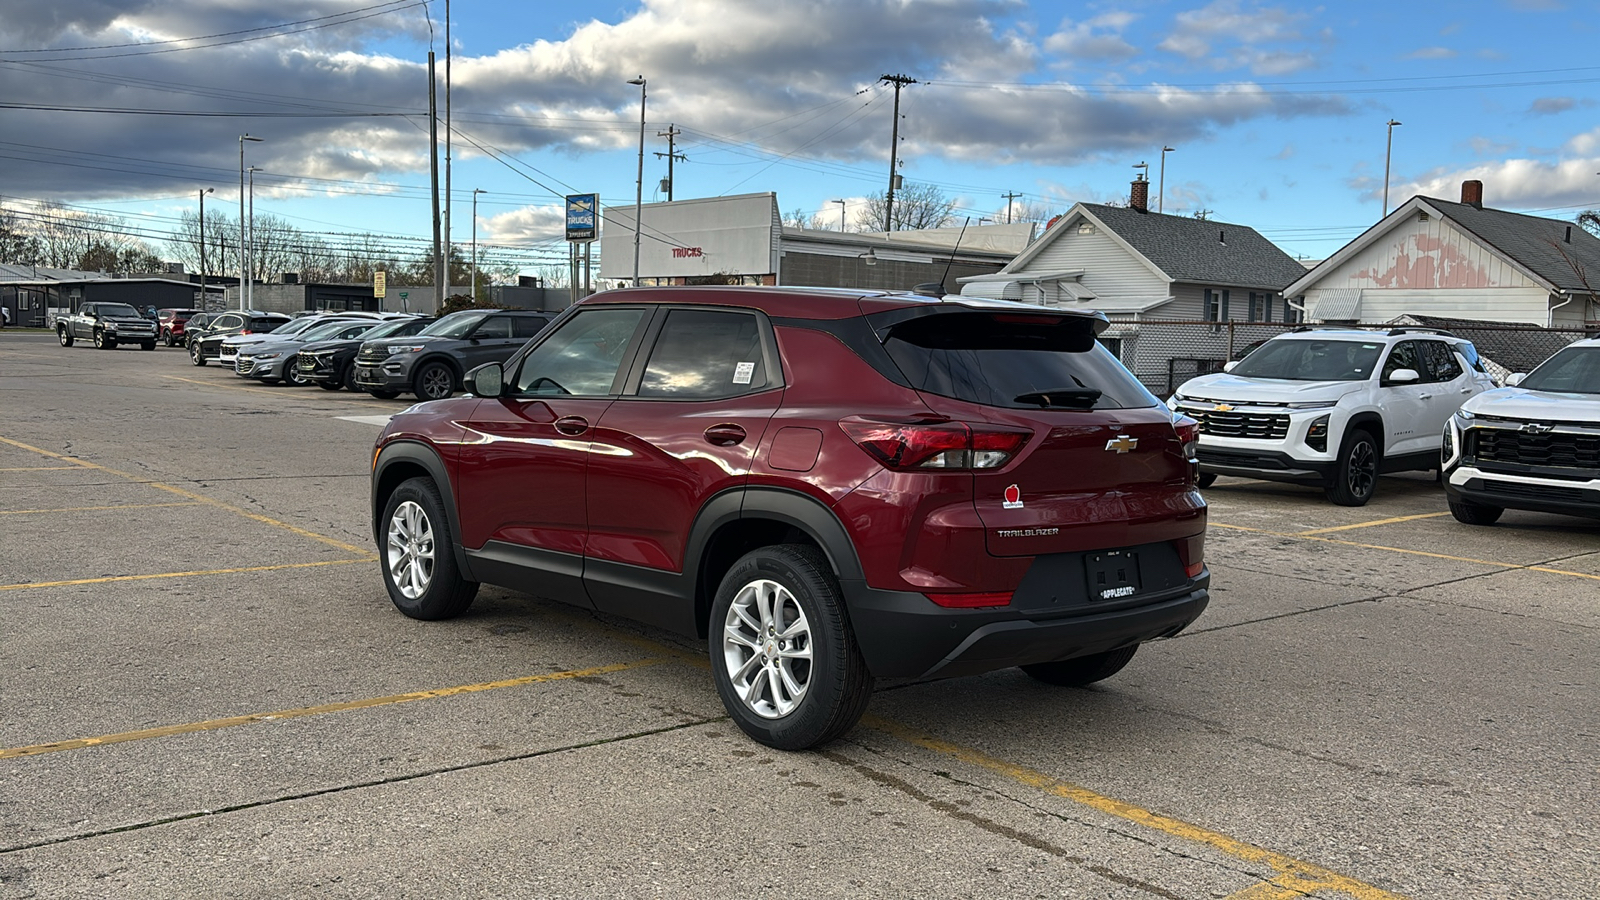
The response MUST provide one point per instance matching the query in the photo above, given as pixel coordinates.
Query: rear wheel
(1206, 479)
(1083, 670)
(783, 656)
(63, 335)
(166, 337)
(1355, 475)
(418, 556)
(434, 381)
(1475, 513)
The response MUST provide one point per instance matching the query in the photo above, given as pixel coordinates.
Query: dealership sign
(582, 217)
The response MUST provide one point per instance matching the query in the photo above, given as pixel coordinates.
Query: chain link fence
(1163, 354)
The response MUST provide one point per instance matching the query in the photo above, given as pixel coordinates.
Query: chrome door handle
(572, 425)
(1425, 396)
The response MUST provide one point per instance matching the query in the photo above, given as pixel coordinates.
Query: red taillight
(1188, 435)
(246, 331)
(935, 445)
(1192, 550)
(971, 601)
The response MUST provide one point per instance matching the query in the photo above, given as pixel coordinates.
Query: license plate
(364, 374)
(1113, 574)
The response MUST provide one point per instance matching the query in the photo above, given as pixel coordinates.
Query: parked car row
(384, 354)
(1338, 407)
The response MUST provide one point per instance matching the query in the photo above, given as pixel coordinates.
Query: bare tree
(915, 206)
(17, 245)
(1589, 220)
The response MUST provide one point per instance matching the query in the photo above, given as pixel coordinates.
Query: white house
(1433, 257)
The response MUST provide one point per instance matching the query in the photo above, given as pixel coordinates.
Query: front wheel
(64, 336)
(1206, 479)
(783, 656)
(291, 372)
(329, 385)
(1082, 671)
(166, 337)
(148, 345)
(1475, 513)
(104, 341)
(1355, 475)
(195, 356)
(418, 556)
(384, 395)
(434, 381)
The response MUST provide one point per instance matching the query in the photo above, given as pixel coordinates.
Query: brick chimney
(1140, 198)
(1472, 193)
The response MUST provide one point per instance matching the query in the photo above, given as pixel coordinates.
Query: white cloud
(1511, 183)
(1431, 53)
(1226, 35)
(1097, 39)
(528, 225)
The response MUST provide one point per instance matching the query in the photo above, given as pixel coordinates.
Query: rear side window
(1013, 360)
(527, 326)
(704, 355)
(1443, 360)
(260, 325)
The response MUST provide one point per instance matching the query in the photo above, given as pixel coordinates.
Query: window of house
(1086, 228)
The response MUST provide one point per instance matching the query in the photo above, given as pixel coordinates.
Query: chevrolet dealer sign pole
(583, 220)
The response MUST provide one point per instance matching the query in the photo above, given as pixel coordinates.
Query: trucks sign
(583, 217)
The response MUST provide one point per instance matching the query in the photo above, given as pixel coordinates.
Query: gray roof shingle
(1202, 251)
(1541, 245)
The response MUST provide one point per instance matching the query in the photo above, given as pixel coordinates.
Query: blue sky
(1277, 111)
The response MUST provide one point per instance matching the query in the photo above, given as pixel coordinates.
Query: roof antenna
(936, 288)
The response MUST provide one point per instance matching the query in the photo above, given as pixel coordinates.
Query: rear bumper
(905, 635)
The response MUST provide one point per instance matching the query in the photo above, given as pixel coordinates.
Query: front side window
(1311, 360)
(583, 357)
(1404, 356)
(455, 325)
(1575, 370)
(229, 322)
(705, 354)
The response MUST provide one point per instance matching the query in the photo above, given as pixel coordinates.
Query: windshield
(1311, 360)
(118, 309)
(326, 330)
(396, 328)
(454, 325)
(1575, 370)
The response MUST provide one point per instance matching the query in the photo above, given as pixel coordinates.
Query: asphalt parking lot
(204, 691)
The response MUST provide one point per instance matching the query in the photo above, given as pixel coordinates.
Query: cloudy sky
(1276, 111)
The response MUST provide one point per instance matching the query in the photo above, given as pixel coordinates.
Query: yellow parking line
(106, 579)
(267, 520)
(1306, 877)
(301, 712)
(24, 512)
(1465, 559)
(38, 469)
(1390, 521)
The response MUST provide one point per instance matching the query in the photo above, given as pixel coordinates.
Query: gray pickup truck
(107, 324)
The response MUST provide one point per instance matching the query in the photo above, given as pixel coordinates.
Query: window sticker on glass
(743, 372)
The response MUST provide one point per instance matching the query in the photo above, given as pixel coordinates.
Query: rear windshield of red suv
(1014, 360)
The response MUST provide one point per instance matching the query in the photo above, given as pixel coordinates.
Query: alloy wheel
(766, 647)
(410, 549)
(1363, 469)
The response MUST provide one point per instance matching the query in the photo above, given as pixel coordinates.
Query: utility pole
(899, 81)
(449, 201)
(433, 171)
(671, 154)
(1010, 196)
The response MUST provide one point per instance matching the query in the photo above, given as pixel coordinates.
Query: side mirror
(1515, 379)
(487, 380)
(1230, 365)
(1404, 376)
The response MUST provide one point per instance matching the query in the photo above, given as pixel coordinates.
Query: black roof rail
(1419, 329)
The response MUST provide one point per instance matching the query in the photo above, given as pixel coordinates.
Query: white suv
(1534, 444)
(1332, 407)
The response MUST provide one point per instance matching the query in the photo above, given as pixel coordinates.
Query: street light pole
(475, 193)
(203, 246)
(243, 263)
(1387, 151)
(250, 286)
(1161, 189)
(638, 197)
(841, 214)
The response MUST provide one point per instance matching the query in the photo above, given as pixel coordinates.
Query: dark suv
(430, 363)
(832, 486)
(332, 364)
(206, 344)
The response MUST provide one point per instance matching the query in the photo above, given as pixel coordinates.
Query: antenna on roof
(948, 264)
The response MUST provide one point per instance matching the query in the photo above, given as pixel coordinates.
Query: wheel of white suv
(1083, 670)
(417, 556)
(1206, 479)
(782, 654)
(1475, 513)
(1355, 473)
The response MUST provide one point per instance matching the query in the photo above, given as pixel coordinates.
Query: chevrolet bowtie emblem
(1122, 443)
(1222, 407)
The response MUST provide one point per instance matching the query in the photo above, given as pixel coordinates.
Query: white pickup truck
(107, 325)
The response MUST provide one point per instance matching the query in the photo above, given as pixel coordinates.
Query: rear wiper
(1080, 398)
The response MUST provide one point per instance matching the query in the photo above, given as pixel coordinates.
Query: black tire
(434, 381)
(349, 379)
(1355, 474)
(103, 341)
(834, 680)
(166, 337)
(1082, 671)
(1475, 513)
(63, 335)
(148, 345)
(291, 372)
(195, 356)
(384, 395)
(416, 538)
(1206, 479)
(329, 385)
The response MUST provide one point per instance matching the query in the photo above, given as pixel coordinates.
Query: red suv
(832, 486)
(172, 323)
